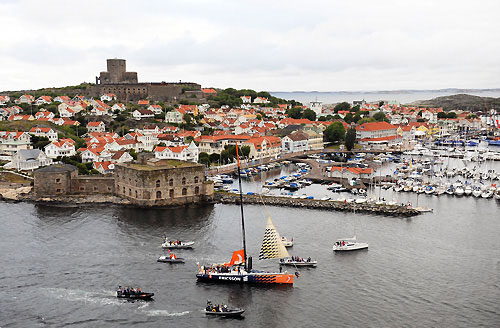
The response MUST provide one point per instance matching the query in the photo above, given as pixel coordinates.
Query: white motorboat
(497, 195)
(422, 209)
(286, 242)
(348, 244)
(459, 191)
(177, 244)
(468, 190)
(476, 192)
(487, 194)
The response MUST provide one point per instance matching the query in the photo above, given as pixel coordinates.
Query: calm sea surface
(61, 265)
(401, 97)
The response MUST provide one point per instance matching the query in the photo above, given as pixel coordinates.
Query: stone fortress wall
(126, 86)
(146, 182)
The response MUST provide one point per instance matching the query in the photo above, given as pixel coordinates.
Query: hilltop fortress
(126, 87)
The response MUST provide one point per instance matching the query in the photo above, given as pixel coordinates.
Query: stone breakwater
(389, 210)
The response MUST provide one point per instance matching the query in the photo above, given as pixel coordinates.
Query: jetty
(370, 208)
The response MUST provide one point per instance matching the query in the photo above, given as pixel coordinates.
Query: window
(136, 194)
(95, 188)
(197, 190)
(171, 182)
(195, 179)
(58, 190)
(58, 180)
(129, 192)
(157, 183)
(82, 188)
(158, 194)
(184, 180)
(184, 191)
(124, 190)
(171, 193)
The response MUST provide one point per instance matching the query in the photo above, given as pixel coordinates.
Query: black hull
(142, 296)
(227, 314)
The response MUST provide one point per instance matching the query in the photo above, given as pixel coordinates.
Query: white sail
(272, 246)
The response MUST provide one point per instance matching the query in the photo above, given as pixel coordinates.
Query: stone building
(63, 180)
(158, 182)
(147, 182)
(126, 87)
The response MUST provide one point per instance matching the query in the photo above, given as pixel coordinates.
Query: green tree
(350, 138)
(295, 112)
(342, 106)
(452, 115)
(442, 115)
(356, 108)
(203, 158)
(379, 116)
(187, 118)
(348, 118)
(335, 132)
(309, 114)
(133, 154)
(214, 157)
(365, 120)
(39, 142)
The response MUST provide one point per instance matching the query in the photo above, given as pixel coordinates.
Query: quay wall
(388, 210)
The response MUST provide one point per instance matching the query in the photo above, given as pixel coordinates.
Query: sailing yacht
(239, 269)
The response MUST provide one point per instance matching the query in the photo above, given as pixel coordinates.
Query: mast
(241, 206)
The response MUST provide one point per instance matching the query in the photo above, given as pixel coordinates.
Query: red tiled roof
(375, 126)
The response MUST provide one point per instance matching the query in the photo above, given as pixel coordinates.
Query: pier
(369, 208)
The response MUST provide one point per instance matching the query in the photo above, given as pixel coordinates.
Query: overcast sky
(264, 45)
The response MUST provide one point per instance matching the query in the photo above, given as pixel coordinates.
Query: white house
(98, 126)
(121, 157)
(261, 100)
(246, 99)
(63, 147)
(139, 114)
(173, 117)
(44, 132)
(155, 109)
(350, 172)
(95, 155)
(43, 100)
(295, 142)
(29, 159)
(104, 167)
(25, 99)
(183, 153)
(11, 142)
(108, 97)
(119, 106)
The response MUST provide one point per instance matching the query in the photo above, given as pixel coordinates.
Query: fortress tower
(117, 73)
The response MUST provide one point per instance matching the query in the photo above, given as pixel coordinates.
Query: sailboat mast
(241, 206)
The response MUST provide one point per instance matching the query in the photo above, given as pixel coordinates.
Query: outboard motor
(249, 264)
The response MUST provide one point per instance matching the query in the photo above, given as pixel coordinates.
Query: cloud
(277, 45)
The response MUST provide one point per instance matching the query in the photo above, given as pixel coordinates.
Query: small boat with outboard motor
(171, 258)
(286, 242)
(298, 261)
(133, 294)
(222, 310)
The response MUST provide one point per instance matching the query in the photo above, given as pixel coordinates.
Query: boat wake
(103, 297)
(164, 313)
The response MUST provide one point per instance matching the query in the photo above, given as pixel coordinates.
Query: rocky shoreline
(25, 194)
(387, 210)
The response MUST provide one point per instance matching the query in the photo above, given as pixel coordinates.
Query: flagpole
(241, 206)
